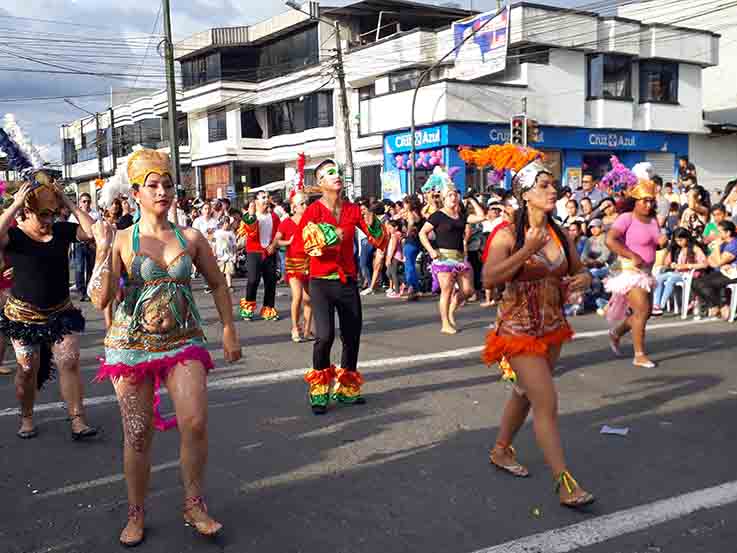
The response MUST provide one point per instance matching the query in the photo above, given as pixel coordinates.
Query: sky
(44, 39)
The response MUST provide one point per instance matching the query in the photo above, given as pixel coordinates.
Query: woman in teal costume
(156, 337)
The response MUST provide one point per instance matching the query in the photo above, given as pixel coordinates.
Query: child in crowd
(225, 248)
(394, 256)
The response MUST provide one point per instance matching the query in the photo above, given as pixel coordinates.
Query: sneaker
(393, 295)
(368, 292)
(657, 310)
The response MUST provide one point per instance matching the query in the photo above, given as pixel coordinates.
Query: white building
(138, 117)
(715, 153)
(257, 96)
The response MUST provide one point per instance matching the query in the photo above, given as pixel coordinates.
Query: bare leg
(515, 413)
(108, 314)
(66, 357)
(187, 385)
(296, 285)
(136, 401)
(447, 290)
(27, 358)
(307, 308)
(378, 264)
(465, 284)
(535, 376)
(639, 301)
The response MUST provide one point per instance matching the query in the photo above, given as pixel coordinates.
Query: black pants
(84, 261)
(474, 259)
(709, 286)
(329, 296)
(258, 266)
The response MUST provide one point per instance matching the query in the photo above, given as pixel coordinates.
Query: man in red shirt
(328, 227)
(260, 227)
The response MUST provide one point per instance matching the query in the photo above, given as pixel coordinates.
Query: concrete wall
(715, 158)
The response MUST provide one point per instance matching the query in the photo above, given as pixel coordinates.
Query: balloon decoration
(427, 159)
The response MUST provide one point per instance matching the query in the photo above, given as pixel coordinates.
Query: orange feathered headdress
(500, 157)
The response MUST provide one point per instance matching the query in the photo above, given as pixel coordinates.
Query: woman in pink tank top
(634, 237)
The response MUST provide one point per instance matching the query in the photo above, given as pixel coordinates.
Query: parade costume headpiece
(619, 179)
(523, 163)
(645, 187)
(25, 159)
(144, 162)
(440, 181)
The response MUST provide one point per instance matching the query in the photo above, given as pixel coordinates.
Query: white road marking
(607, 527)
(99, 482)
(228, 383)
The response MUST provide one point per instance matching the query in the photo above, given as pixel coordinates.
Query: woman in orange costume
(538, 265)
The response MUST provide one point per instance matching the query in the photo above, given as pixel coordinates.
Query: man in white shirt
(206, 223)
(84, 252)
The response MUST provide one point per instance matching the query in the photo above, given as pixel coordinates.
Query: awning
(271, 187)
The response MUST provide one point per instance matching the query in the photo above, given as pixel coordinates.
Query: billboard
(485, 53)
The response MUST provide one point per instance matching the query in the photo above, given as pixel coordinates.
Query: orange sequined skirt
(297, 267)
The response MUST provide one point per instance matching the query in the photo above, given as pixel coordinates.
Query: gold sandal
(514, 468)
(134, 511)
(209, 530)
(566, 480)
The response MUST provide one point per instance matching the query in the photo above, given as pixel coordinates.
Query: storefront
(569, 152)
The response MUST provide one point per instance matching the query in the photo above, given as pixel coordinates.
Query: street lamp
(422, 78)
(343, 94)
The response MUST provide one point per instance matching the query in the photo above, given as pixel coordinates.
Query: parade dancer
(328, 227)
(634, 237)
(297, 268)
(156, 337)
(538, 265)
(260, 227)
(38, 316)
(451, 272)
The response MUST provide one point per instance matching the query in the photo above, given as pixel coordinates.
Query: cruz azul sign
(426, 138)
(612, 140)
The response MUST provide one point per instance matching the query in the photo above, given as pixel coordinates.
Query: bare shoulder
(505, 238)
(190, 234)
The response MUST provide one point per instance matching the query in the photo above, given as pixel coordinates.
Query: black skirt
(44, 334)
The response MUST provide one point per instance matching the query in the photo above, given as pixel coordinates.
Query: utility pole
(345, 113)
(346, 122)
(171, 89)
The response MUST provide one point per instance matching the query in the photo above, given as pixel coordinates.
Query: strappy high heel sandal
(208, 530)
(85, 433)
(566, 480)
(513, 468)
(134, 512)
(27, 434)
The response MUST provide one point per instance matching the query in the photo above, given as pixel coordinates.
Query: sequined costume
(530, 316)
(157, 325)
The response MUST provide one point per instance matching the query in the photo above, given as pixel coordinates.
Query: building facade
(253, 98)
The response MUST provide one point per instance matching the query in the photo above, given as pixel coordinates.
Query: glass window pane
(658, 82)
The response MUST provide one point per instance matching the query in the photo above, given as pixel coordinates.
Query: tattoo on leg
(136, 420)
(24, 354)
(66, 353)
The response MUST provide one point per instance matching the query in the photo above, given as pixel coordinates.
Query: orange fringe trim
(504, 156)
(500, 346)
(349, 378)
(324, 376)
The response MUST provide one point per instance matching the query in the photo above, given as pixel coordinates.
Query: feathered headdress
(645, 188)
(523, 163)
(25, 159)
(441, 181)
(619, 179)
(299, 177)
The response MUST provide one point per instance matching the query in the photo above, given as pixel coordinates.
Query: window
(216, 126)
(308, 112)
(149, 133)
(69, 152)
(250, 127)
(658, 81)
(405, 80)
(371, 181)
(609, 77)
(289, 53)
(367, 92)
(182, 130)
(200, 70)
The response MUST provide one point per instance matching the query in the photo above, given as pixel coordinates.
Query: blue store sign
(430, 137)
(573, 138)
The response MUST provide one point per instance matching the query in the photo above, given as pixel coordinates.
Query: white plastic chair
(685, 284)
(733, 302)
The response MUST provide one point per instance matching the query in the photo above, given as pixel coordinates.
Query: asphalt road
(408, 471)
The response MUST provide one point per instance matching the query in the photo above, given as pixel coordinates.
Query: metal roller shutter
(664, 164)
